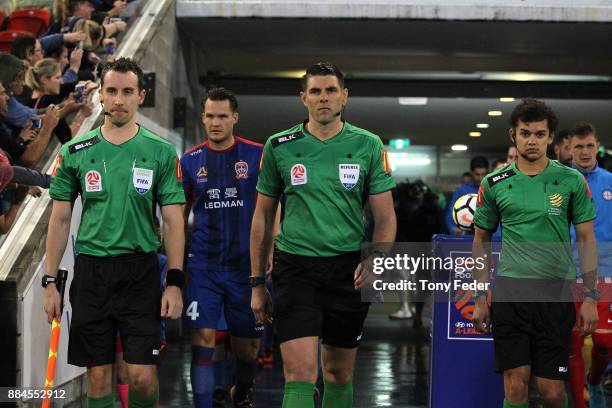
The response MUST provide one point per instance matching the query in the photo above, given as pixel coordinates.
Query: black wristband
(175, 277)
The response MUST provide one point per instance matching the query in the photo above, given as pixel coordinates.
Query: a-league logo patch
(349, 175)
(242, 170)
(93, 181)
(607, 195)
(142, 179)
(299, 175)
(202, 175)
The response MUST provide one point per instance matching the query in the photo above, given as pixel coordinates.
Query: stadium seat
(1, 18)
(7, 37)
(32, 20)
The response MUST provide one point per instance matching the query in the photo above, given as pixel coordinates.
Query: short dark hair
(124, 65)
(561, 136)
(221, 94)
(322, 69)
(583, 129)
(479, 162)
(23, 45)
(533, 110)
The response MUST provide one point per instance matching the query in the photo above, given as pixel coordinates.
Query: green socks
(298, 395)
(104, 402)
(338, 395)
(511, 405)
(135, 400)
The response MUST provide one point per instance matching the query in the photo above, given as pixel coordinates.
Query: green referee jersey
(325, 184)
(535, 214)
(120, 186)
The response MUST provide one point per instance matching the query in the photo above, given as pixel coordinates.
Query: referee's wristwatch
(255, 281)
(47, 279)
(592, 294)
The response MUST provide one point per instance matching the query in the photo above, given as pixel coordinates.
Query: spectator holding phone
(110, 44)
(12, 75)
(24, 144)
(94, 33)
(27, 145)
(69, 66)
(45, 79)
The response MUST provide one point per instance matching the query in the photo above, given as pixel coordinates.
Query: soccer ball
(463, 211)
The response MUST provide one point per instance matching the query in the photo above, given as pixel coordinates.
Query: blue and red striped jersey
(221, 186)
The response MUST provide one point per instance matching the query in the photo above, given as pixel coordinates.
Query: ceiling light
(482, 125)
(523, 76)
(506, 99)
(532, 76)
(401, 159)
(475, 134)
(459, 147)
(289, 74)
(495, 113)
(405, 100)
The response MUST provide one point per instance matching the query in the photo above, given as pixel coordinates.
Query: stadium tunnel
(416, 71)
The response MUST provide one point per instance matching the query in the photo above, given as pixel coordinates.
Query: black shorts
(110, 295)
(315, 296)
(534, 334)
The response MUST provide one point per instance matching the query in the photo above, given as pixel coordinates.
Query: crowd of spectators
(45, 83)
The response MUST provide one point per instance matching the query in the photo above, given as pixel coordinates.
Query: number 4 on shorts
(192, 310)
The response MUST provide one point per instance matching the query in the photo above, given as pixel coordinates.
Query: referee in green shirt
(122, 172)
(535, 200)
(326, 169)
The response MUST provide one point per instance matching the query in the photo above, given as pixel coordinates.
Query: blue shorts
(222, 324)
(210, 295)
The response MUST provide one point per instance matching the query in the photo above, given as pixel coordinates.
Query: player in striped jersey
(220, 180)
